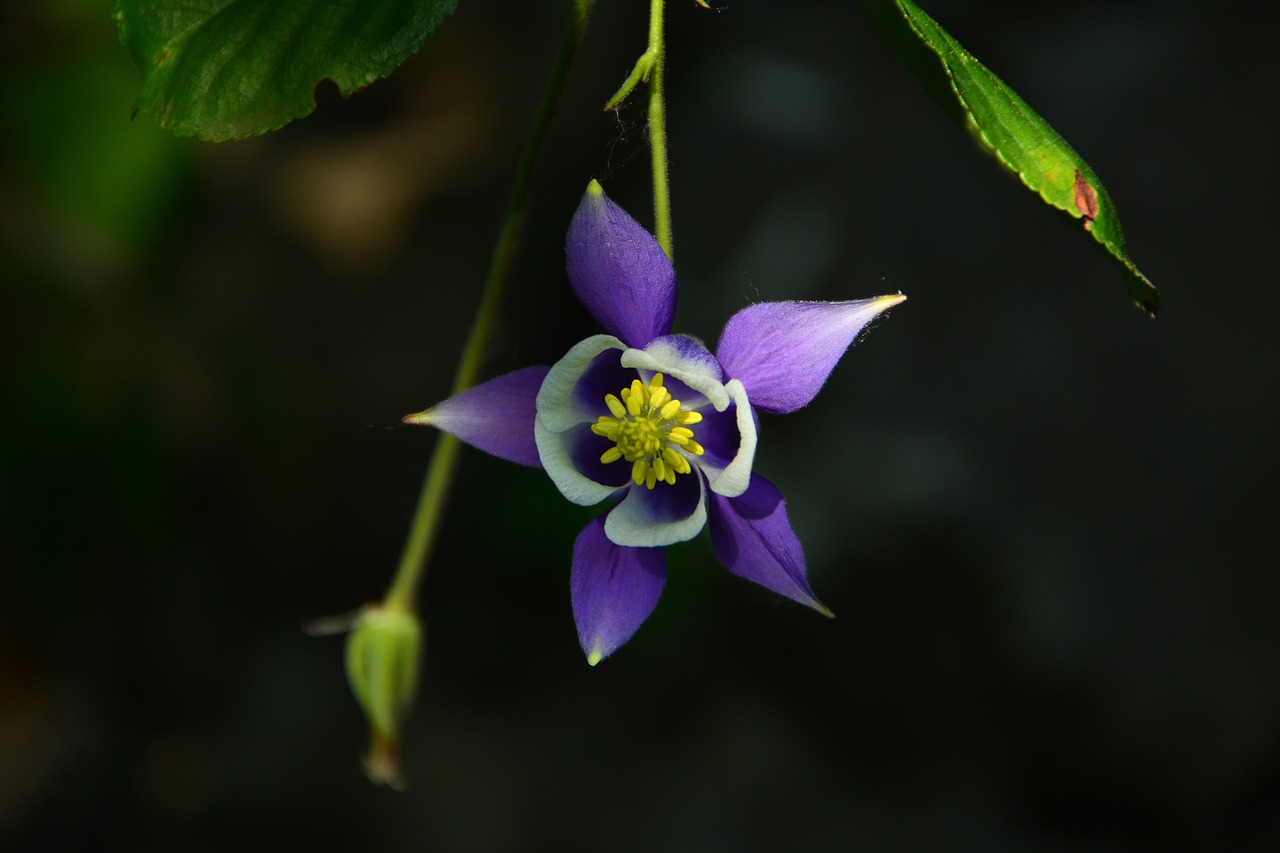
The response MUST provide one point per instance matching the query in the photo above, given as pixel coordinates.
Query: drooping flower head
(658, 423)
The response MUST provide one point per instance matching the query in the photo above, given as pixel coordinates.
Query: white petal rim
(661, 357)
(734, 479)
(553, 450)
(625, 524)
(557, 409)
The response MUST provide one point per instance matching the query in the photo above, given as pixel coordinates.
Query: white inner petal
(661, 357)
(553, 450)
(734, 479)
(630, 523)
(558, 409)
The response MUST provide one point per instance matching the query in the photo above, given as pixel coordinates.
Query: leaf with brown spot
(1007, 128)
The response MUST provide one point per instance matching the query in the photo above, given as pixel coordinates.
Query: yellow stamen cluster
(645, 423)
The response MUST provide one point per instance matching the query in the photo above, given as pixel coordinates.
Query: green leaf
(1010, 130)
(227, 69)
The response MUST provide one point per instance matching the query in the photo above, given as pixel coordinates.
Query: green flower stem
(658, 134)
(648, 69)
(440, 471)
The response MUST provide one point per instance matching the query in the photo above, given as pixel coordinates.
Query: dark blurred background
(1045, 522)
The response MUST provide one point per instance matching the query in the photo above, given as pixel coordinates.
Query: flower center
(646, 427)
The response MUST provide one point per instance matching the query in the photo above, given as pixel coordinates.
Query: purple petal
(604, 375)
(619, 272)
(497, 416)
(753, 539)
(783, 352)
(585, 449)
(613, 588)
(719, 436)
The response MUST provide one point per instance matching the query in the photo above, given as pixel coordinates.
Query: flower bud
(382, 666)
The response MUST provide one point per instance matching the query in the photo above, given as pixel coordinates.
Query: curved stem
(439, 476)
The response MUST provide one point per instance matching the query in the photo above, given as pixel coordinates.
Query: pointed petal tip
(813, 604)
(418, 418)
(594, 657)
(889, 300)
(594, 190)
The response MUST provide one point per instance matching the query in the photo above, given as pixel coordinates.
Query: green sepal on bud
(383, 652)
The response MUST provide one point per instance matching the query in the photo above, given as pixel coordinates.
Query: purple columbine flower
(659, 423)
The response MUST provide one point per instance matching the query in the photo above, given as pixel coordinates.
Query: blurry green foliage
(89, 199)
(93, 188)
(227, 69)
